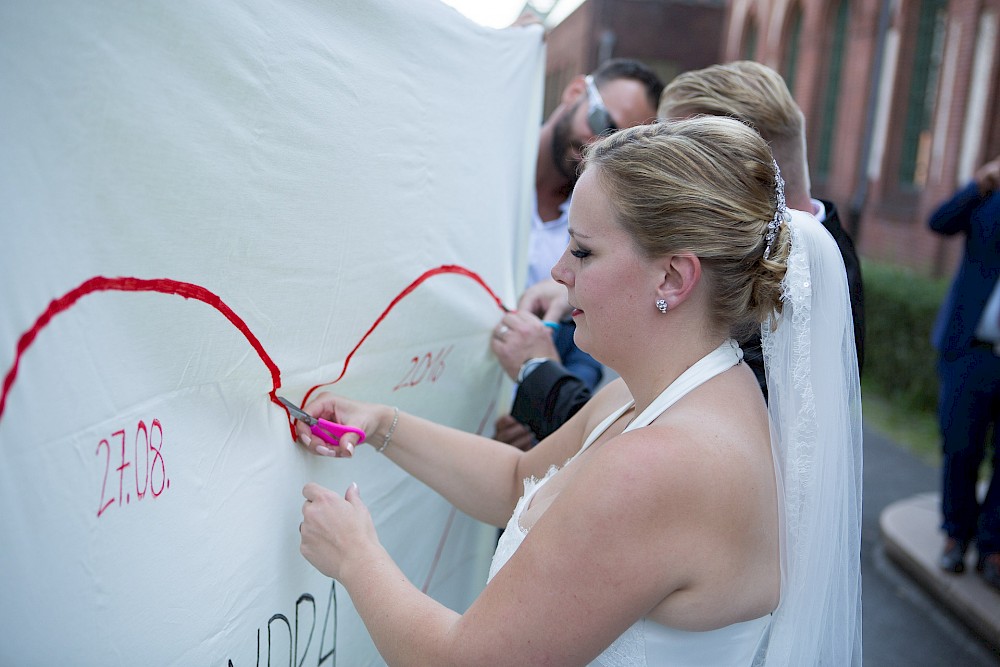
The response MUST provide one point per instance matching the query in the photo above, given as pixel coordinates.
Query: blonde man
(757, 95)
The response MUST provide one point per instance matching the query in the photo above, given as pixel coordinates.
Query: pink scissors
(329, 432)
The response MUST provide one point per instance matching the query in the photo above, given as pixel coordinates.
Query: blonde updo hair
(705, 185)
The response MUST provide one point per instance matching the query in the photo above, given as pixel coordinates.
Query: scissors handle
(331, 432)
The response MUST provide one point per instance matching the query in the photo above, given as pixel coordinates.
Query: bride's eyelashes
(580, 253)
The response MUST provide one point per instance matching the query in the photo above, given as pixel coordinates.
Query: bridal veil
(814, 406)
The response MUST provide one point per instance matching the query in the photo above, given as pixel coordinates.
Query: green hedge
(900, 307)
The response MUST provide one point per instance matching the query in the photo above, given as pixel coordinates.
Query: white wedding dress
(647, 643)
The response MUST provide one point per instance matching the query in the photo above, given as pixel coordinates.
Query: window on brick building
(840, 13)
(750, 39)
(916, 144)
(792, 37)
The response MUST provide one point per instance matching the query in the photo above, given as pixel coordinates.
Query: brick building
(657, 32)
(902, 100)
(901, 97)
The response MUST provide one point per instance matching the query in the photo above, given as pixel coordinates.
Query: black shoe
(953, 557)
(989, 567)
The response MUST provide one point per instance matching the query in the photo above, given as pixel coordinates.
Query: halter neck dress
(647, 643)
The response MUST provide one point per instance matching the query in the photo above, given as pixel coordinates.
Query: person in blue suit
(967, 338)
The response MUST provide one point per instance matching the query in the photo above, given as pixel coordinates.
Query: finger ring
(502, 331)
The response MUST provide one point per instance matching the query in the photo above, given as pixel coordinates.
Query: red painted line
(440, 550)
(123, 284)
(451, 515)
(192, 291)
(430, 273)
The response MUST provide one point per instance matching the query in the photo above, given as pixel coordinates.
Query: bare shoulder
(685, 459)
(707, 437)
(695, 493)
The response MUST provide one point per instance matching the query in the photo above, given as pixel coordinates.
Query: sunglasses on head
(597, 114)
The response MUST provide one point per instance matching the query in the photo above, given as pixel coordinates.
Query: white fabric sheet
(303, 163)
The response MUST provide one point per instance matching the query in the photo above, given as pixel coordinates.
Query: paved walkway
(904, 622)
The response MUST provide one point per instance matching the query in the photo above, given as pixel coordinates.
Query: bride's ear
(681, 273)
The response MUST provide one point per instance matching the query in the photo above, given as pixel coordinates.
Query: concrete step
(914, 541)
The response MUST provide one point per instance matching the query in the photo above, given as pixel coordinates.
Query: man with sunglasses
(620, 93)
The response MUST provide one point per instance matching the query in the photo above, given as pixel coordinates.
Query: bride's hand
(336, 531)
(340, 410)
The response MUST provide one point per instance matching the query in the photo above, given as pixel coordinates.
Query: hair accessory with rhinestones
(780, 211)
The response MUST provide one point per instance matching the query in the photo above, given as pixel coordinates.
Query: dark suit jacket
(978, 217)
(854, 284)
(548, 397)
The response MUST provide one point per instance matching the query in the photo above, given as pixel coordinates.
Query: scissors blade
(302, 416)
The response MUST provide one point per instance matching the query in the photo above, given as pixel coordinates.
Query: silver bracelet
(388, 434)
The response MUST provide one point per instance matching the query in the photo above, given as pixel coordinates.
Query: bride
(672, 520)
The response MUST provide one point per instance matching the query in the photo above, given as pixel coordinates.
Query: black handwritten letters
(303, 641)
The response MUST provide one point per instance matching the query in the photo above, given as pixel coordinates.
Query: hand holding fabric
(514, 433)
(521, 336)
(547, 299)
(526, 18)
(336, 531)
